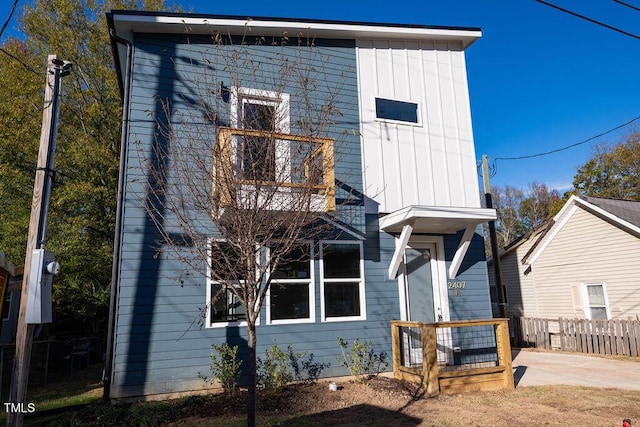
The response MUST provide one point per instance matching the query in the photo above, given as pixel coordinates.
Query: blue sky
(539, 79)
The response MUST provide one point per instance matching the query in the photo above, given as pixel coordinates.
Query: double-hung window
(291, 292)
(341, 274)
(595, 301)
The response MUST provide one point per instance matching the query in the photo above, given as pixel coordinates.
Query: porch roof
(434, 220)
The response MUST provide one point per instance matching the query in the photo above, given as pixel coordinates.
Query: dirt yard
(387, 402)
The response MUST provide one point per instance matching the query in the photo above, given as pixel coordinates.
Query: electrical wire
(630, 6)
(13, 8)
(589, 19)
(570, 146)
(15, 58)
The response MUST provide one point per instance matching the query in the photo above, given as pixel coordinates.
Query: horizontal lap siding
(160, 344)
(589, 249)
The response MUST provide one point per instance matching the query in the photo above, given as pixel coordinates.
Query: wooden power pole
(36, 238)
(493, 239)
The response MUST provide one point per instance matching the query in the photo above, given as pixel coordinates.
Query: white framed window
(595, 302)
(224, 308)
(397, 111)
(261, 158)
(342, 293)
(291, 294)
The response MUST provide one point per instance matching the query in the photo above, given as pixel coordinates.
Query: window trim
(312, 292)
(585, 299)
(210, 282)
(281, 101)
(360, 281)
(399, 122)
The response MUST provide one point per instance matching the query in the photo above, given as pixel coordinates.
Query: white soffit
(126, 24)
(435, 219)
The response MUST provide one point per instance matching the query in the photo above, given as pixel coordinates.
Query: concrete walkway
(547, 368)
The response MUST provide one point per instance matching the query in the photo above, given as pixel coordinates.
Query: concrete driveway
(547, 368)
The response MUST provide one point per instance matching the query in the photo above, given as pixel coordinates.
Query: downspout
(106, 377)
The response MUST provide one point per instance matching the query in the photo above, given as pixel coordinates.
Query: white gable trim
(563, 217)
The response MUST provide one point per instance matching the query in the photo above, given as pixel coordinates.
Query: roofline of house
(560, 219)
(125, 23)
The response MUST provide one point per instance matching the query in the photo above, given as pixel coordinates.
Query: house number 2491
(457, 285)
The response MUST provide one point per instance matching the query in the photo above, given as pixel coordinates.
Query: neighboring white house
(583, 263)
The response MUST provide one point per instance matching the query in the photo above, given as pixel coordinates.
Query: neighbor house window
(291, 293)
(596, 301)
(400, 111)
(260, 157)
(224, 306)
(341, 273)
(6, 306)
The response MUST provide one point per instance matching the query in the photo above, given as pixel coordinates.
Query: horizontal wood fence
(608, 337)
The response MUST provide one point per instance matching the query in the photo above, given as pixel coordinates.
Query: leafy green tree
(82, 210)
(613, 171)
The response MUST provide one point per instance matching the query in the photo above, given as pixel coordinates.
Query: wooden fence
(607, 337)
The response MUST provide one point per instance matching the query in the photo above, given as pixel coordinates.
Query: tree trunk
(251, 374)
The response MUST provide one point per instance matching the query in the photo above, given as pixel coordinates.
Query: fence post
(395, 349)
(429, 358)
(504, 352)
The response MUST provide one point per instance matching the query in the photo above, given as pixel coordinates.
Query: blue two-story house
(401, 193)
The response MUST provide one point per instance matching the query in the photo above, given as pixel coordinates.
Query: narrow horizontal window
(401, 111)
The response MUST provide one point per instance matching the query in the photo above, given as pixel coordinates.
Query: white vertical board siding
(431, 163)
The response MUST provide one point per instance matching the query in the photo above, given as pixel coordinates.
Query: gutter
(126, 87)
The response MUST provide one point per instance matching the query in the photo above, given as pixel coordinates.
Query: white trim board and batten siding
(432, 162)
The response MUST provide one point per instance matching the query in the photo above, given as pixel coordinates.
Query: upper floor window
(341, 273)
(400, 111)
(259, 156)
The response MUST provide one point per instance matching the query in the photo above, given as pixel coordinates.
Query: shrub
(280, 368)
(362, 362)
(225, 367)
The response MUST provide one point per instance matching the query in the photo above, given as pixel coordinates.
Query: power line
(589, 19)
(15, 58)
(570, 146)
(13, 8)
(628, 5)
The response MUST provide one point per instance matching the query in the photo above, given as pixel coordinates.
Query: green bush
(280, 368)
(225, 367)
(362, 362)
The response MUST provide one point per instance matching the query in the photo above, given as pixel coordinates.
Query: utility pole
(56, 69)
(493, 238)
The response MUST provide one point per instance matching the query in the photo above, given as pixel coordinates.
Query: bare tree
(241, 176)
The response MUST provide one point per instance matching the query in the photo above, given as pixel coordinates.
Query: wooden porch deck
(453, 357)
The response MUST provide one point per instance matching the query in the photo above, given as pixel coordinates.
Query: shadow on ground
(358, 415)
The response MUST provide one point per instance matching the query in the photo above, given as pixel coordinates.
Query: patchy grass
(379, 402)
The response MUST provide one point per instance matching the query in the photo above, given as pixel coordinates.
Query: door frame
(438, 277)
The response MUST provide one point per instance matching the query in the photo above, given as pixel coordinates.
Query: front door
(425, 298)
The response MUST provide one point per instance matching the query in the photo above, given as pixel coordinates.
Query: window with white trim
(261, 158)
(342, 276)
(291, 296)
(397, 111)
(595, 300)
(224, 306)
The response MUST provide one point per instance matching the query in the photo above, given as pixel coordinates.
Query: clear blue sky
(539, 79)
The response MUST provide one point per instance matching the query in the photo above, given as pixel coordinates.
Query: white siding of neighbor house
(589, 249)
(432, 163)
(521, 291)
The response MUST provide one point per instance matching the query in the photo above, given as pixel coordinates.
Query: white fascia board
(563, 216)
(127, 24)
(450, 218)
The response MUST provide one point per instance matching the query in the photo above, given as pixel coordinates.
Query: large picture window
(291, 293)
(342, 292)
